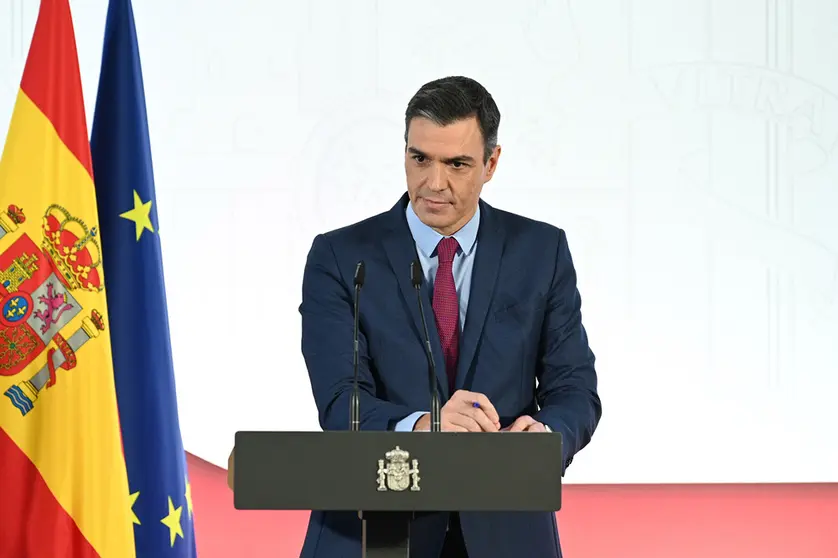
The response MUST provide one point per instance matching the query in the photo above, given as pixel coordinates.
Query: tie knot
(446, 249)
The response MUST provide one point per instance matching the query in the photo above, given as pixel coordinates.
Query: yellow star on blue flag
(172, 521)
(140, 215)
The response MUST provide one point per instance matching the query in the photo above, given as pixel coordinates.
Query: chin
(442, 211)
(433, 218)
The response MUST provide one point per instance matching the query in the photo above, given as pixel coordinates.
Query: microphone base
(355, 412)
(435, 413)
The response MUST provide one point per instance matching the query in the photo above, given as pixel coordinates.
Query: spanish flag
(64, 489)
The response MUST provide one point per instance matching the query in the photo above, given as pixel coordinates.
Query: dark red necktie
(446, 307)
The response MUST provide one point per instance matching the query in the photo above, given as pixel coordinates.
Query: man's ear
(492, 163)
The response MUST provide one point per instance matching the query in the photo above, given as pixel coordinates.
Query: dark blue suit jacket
(523, 346)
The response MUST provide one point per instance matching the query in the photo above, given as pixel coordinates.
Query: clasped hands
(460, 414)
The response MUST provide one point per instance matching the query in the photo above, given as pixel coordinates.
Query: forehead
(458, 138)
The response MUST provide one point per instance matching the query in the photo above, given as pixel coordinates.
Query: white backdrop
(686, 146)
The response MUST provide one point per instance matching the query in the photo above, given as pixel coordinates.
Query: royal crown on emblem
(74, 249)
(11, 219)
(397, 455)
(16, 214)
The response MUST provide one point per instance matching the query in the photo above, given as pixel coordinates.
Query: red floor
(668, 521)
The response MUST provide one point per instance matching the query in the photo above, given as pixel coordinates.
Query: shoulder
(357, 234)
(521, 228)
(538, 250)
(371, 226)
(537, 246)
(334, 254)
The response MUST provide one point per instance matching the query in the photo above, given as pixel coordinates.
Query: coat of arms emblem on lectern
(398, 475)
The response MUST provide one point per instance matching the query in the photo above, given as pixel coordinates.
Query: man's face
(445, 172)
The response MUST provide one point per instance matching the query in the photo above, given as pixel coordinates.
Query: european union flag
(136, 296)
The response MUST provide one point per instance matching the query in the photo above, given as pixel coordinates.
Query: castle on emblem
(22, 269)
(398, 475)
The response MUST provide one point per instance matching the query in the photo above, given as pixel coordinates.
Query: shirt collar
(427, 239)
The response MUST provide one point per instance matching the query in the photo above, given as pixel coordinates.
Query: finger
(483, 401)
(517, 426)
(536, 427)
(231, 475)
(449, 427)
(482, 419)
(487, 407)
(465, 421)
(521, 423)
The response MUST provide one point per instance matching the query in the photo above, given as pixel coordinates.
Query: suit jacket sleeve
(567, 381)
(327, 326)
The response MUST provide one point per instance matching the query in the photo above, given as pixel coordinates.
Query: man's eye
(419, 158)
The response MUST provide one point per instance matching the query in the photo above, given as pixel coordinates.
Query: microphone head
(359, 274)
(416, 273)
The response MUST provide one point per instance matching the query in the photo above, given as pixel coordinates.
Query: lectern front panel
(398, 471)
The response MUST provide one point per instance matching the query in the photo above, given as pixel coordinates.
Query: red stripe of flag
(52, 81)
(32, 522)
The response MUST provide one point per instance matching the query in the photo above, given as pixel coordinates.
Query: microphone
(416, 278)
(355, 400)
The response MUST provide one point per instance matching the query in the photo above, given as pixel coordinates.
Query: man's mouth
(435, 202)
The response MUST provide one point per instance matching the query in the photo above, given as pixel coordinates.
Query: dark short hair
(450, 99)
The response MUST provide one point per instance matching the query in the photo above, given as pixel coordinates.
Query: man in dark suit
(507, 330)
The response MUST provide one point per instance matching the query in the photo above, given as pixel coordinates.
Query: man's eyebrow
(456, 159)
(416, 152)
(460, 159)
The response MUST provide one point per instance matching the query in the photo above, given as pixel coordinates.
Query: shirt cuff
(407, 423)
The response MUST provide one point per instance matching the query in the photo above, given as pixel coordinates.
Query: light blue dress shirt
(426, 240)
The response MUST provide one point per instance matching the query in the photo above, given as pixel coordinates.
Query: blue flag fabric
(136, 297)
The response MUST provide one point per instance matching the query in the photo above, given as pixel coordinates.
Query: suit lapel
(401, 251)
(490, 241)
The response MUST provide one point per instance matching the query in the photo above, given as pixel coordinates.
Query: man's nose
(437, 181)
